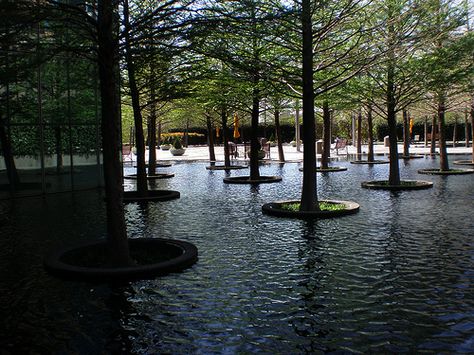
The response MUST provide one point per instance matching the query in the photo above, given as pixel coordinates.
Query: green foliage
(177, 143)
(323, 205)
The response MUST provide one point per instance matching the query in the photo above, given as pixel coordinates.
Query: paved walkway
(201, 153)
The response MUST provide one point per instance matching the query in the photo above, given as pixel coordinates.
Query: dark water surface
(396, 277)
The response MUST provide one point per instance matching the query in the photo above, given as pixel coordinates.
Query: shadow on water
(396, 277)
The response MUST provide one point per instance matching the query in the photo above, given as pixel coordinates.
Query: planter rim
(463, 162)
(153, 195)
(378, 185)
(54, 264)
(449, 172)
(246, 180)
(370, 162)
(151, 177)
(274, 209)
(411, 156)
(223, 167)
(332, 169)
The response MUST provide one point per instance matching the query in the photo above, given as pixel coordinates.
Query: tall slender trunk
(309, 198)
(12, 172)
(434, 124)
(297, 127)
(210, 135)
(111, 136)
(394, 174)
(359, 134)
(142, 185)
(254, 144)
(455, 129)
(443, 155)
(425, 127)
(152, 133)
(472, 126)
(225, 137)
(326, 135)
(370, 135)
(466, 129)
(406, 134)
(59, 149)
(281, 155)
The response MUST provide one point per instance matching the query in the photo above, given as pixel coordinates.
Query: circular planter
(370, 162)
(158, 165)
(153, 257)
(247, 180)
(464, 162)
(223, 167)
(445, 172)
(331, 169)
(274, 209)
(411, 156)
(177, 152)
(151, 177)
(153, 195)
(382, 185)
(165, 147)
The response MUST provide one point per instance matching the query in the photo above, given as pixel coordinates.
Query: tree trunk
(370, 135)
(111, 136)
(142, 184)
(281, 155)
(212, 153)
(225, 137)
(326, 136)
(309, 198)
(443, 155)
(152, 134)
(433, 135)
(394, 174)
(406, 134)
(472, 126)
(254, 143)
(297, 128)
(12, 172)
(159, 133)
(59, 150)
(455, 128)
(426, 132)
(359, 135)
(466, 129)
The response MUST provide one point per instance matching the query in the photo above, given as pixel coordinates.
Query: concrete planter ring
(275, 209)
(445, 172)
(247, 180)
(405, 185)
(151, 256)
(464, 162)
(177, 151)
(330, 169)
(151, 177)
(153, 195)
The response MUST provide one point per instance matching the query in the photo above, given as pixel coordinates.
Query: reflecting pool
(396, 277)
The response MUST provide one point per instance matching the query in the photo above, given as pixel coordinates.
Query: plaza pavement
(201, 153)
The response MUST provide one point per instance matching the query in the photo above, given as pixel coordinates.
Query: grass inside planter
(402, 183)
(323, 206)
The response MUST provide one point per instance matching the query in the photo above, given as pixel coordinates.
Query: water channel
(396, 277)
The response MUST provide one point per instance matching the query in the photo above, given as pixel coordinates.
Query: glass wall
(49, 111)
